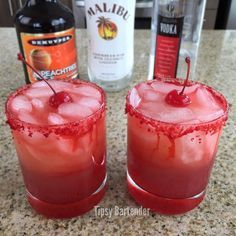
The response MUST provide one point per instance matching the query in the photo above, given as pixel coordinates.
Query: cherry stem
(187, 60)
(21, 58)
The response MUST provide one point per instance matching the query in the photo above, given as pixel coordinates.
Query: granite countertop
(214, 216)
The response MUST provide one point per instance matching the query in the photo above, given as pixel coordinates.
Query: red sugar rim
(175, 130)
(74, 128)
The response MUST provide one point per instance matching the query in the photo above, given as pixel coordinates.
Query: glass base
(67, 210)
(111, 86)
(162, 205)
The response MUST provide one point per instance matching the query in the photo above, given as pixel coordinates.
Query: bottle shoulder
(43, 19)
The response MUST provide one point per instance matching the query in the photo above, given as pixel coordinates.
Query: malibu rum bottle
(110, 27)
(46, 35)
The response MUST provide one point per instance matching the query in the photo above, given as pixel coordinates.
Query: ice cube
(189, 150)
(165, 87)
(26, 117)
(151, 95)
(196, 148)
(74, 111)
(205, 99)
(205, 107)
(39, 84)
(208, 115)
(64, 145)
(143, 88)
(134, 98)
(193, 121)
(191, 89)
(39, 92)
(36, 138)
(21, 102)
(55, 119)
(89, 102)
(37, 103)
(85, 90)
(72, 153)
(59, 85)
(176, 115)
(151, 109)
(56, 84)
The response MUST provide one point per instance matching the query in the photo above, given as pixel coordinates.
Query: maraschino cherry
(57, 98)
(179, 98)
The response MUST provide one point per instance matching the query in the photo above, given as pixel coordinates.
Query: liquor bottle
(191, 34)
(110, 29)
(46, 36)
(176, 30)
(167, 25)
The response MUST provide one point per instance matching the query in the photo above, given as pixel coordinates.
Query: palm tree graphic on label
(106, 28)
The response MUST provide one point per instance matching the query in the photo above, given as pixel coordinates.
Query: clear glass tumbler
(62, 151)
(171, 150)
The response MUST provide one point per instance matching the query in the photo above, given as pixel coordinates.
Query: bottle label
(54, 55)
(167, 46)
(110, 31)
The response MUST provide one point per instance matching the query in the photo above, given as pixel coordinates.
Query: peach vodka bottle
(46, 35)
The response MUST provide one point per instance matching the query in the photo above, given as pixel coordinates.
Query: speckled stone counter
(216, 66)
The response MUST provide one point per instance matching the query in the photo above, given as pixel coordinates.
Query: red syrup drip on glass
(57, 98)
(176, 98)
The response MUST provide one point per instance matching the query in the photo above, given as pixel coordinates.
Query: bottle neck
(39, 2)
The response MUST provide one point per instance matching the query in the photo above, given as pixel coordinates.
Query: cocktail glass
(171, 150)
(62, 151)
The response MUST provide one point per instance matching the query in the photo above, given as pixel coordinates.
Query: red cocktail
(62, 149)
(171, 149)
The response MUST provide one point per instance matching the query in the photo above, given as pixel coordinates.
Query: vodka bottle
(176, 29)
(110, 27)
